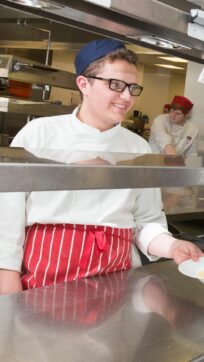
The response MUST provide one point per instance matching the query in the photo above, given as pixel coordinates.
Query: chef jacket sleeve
(12, 221)
(12, 229)
(159, 130)
(150, 220)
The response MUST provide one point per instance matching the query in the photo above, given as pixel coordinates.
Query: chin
(119, 118)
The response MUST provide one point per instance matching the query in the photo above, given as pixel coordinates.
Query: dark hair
(118, 54)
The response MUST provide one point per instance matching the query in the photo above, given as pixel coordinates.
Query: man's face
(105, 107)
(176, 116)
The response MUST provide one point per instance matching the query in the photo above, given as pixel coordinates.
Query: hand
(182, 250)
(10, 282)
(170, 150)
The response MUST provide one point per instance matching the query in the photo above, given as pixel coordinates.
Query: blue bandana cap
(94, 50)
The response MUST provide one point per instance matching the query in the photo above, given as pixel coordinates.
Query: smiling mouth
(121, 107)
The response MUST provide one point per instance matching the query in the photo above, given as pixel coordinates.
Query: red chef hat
(182, 102)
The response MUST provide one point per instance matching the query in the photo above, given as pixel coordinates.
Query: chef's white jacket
(184, 138)
(140, 209)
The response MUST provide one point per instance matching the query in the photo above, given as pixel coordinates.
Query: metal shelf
(25, 70)
(72, 170)
(21, 106)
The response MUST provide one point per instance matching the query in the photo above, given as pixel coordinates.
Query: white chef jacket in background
(140, 209)
(184, 138)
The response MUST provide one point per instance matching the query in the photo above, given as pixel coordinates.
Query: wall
(195, 92)
(160, 85)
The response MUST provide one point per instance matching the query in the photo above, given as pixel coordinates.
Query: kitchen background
(162, 75)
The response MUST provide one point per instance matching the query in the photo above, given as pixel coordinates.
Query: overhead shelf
(28, 71)
(21, 170)
(17, 77)
(37, 108)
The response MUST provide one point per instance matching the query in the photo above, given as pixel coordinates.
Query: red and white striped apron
(55, 253)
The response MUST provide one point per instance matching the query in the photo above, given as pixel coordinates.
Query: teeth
(120, 106)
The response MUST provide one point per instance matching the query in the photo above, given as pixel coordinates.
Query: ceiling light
(160, 42)
(174, 59)
(42, 4)
(169, 66)
(156, 41)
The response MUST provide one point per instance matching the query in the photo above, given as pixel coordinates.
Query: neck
(94, 120)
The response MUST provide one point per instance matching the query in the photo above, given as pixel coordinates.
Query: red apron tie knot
(101, 240)
(97, 237)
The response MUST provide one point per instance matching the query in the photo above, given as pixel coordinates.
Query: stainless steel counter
(150, 314)
(45, 170)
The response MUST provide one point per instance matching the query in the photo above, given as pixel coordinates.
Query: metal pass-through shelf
(43, 170)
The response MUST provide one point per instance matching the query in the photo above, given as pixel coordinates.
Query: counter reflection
(124, 316)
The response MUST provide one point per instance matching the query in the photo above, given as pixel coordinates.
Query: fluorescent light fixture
(156, 41)
(174, 59)
(42, 4)
(160, 42)
(169, 66)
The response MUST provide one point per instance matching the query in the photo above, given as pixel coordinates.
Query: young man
(173, 133)
(75, 234)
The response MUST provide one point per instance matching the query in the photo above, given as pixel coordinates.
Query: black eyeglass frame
(109, 80)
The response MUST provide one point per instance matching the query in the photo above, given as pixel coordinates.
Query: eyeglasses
(117, 85)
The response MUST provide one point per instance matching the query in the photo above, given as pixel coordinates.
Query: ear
(82, 83)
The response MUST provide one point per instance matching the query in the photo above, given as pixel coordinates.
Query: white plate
(193, 268)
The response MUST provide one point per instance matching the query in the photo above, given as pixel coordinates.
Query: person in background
(59, 236)
(166, 108)
(173, 133)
